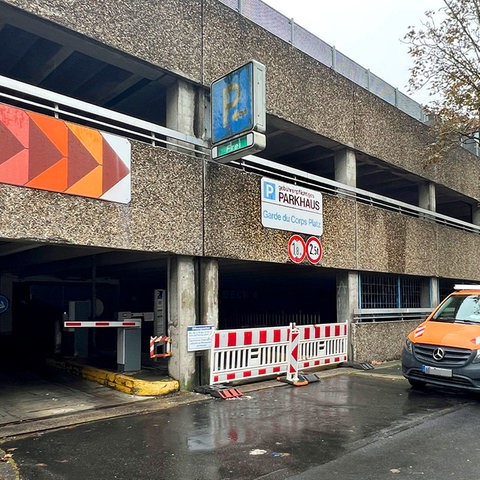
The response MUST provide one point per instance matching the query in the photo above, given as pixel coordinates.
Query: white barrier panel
(248, 353)
(256, 352)
(322, 344)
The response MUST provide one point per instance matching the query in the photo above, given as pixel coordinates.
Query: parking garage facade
(397, 234)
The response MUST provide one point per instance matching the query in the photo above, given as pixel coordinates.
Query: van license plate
(440, 372)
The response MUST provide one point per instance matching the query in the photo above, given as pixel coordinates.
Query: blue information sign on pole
(238, 108)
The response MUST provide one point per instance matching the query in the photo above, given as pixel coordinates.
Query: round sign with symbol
(296, 248)
(4, 303)
(314, 250)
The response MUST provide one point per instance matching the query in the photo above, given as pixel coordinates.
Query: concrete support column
(208, 308)
(181, 314)
(429, 295)
(434, 292)
(347, 295)
(347, 301)
(346, 167)
(426, 196)
(209, 292)
(181, 109)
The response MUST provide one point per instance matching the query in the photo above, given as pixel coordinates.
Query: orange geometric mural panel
(43, 152)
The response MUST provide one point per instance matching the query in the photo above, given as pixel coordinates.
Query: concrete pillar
(209, 292)
(347, 295)
(346, 167)
(181, 314)
(208, 308)
(181, 110)
(347, 301)
(426, 196)
(434, 292)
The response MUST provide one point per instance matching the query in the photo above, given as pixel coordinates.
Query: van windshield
(461, 309)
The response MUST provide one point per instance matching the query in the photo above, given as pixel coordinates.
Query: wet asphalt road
(358, 426)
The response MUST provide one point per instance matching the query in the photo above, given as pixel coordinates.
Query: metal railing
(389, 314)
(300, 38)
(261, 166)
(54, 104)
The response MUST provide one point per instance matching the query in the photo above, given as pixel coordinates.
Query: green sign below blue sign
(240, 146)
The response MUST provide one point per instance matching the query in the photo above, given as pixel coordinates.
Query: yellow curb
(131, 385)
(119, 381)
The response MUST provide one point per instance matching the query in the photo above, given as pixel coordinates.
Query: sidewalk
(67, 393)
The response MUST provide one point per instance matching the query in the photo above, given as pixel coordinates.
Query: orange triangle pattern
(53, 178)
(51, 154)
(90, 139)
(89, 186)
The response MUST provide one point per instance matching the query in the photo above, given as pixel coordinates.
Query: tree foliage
(446, 61)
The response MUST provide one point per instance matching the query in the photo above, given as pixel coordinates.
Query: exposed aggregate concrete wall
(182, 206)
(380, 341)
(165, 213)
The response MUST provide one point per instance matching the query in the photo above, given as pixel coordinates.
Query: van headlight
(476, 359)
(409, 346)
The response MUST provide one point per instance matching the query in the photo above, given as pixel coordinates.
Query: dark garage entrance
(257, 294)
(45, 278)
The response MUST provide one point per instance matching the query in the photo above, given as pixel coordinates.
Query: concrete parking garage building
(127, 213)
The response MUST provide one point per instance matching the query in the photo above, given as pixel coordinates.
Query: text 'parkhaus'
(291, 208)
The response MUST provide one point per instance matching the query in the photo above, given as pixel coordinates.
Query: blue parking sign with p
(232, 104)
(269, 190)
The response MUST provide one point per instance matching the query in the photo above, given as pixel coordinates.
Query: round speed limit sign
(314, 250)
(296, 248)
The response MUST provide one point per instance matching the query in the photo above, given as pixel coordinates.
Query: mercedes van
(445, 349)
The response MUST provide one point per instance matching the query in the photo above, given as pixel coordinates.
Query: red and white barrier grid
(245, 354)
(248, 353)
(323, 344)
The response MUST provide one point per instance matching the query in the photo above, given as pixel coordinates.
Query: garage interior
(45, 278)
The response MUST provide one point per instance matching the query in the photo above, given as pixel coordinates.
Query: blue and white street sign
(291, 208)
(199, 337)
(238, 105)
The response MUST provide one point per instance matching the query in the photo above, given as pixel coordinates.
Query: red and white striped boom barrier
(251, 353)
(96, 324)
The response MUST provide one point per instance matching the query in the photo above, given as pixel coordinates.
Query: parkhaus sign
(291, 208)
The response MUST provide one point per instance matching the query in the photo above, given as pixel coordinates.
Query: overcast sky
(370, 32)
